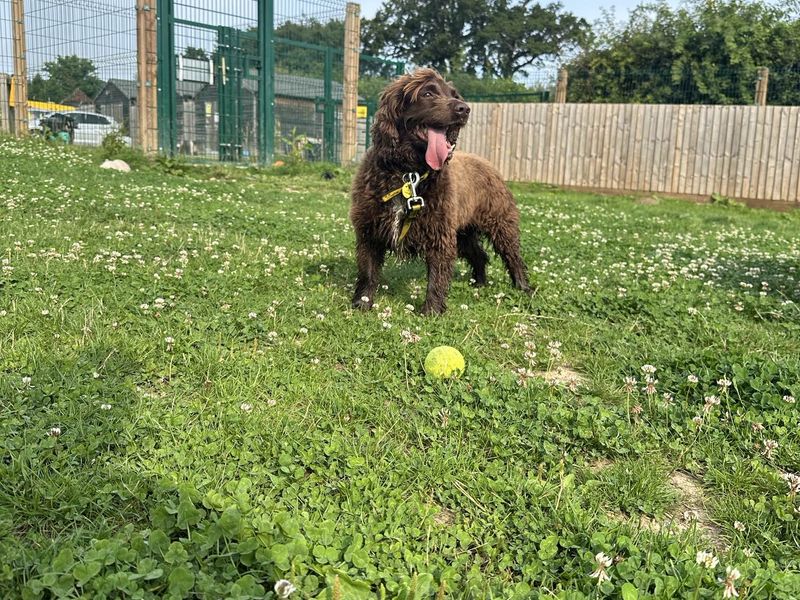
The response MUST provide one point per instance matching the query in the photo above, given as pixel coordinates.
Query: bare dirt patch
(689, 511)
(599, 464)
(444, 517)
(564, 376)
(692, 508)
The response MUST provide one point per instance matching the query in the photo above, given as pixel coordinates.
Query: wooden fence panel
(745, 152)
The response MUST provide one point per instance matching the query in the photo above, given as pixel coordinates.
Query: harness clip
(415, 203)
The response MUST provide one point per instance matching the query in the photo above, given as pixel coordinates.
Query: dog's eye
(427, 94)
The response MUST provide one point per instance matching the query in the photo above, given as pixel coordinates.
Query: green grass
(227, 421)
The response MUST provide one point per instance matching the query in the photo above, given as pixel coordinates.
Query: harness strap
(405, 189)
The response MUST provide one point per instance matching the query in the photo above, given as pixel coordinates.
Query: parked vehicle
(35, 116)
(91, 128)
(58, 126)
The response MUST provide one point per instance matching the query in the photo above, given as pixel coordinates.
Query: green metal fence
(232, 88)
(237, 80)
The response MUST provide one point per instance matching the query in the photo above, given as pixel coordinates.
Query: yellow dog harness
(414, 202)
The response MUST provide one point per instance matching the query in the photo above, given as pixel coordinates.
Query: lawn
(190, 408)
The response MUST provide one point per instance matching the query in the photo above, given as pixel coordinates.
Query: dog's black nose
(462, 109)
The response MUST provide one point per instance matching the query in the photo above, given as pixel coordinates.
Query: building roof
(77, 98)
(128, 87)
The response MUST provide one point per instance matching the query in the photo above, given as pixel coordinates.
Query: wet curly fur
(465, 197)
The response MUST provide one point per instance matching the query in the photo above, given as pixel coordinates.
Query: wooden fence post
(20, 81)
(762, 82)
(147, 72)
(352, 42)
(5, 107)
(561, 86)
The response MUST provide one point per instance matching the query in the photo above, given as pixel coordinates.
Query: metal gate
(233, 87)
(215, 98)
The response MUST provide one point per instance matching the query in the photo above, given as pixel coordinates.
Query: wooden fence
(744, 152)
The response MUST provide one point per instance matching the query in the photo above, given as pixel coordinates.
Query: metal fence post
(328, 111)
(167, 74)
(266, 81)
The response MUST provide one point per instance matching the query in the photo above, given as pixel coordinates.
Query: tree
(517, 36)
(306, 61)
(499, 37)
(427, 33)
(704, 52)
(64, 75)
(194, 53)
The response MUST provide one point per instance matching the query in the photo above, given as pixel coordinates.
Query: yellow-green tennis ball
(443, 362)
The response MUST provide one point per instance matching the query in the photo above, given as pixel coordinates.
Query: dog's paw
(526, 289)
(430, 309)
(362, 303)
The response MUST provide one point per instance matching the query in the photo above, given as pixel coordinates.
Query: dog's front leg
(369, 259)
(440, 271)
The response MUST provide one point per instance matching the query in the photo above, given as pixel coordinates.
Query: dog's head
(419, 118)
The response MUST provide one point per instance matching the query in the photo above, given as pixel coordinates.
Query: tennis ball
(444, 361)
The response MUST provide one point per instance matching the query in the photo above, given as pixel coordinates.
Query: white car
(91, 128)
(34, 116)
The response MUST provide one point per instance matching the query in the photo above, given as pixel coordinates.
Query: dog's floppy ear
(384, 127)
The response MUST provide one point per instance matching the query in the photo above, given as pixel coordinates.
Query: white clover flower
(54, 431)
(630, 384)
(793, 481)
(105, 406)
(252, 315)
(710, 403)
(692, 379)
(409, 337)
(706, 559)
(769, 447)
(284, 588)
(26, 381)
(731, 575)
(648, 369)
(650, 388)
(738, 526)
(246, 407)
(603, 562)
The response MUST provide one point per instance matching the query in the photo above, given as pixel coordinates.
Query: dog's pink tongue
(437, 149)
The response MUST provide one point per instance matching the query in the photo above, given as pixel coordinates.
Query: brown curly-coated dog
(415, 130)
